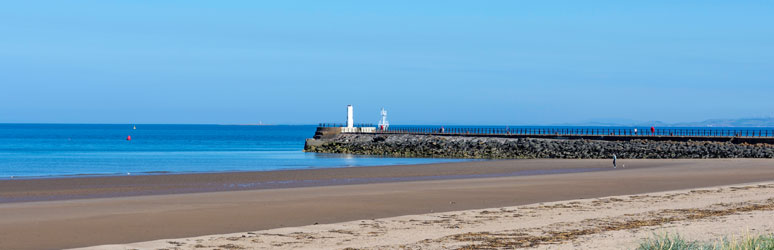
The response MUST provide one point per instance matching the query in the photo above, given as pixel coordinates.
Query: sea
(82, 150)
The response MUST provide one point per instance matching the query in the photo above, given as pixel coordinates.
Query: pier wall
(508, 147)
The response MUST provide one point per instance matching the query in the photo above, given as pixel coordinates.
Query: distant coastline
(598, 122)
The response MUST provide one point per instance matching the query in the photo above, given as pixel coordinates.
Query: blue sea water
(54, 150)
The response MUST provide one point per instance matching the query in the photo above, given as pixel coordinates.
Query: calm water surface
(50, 150)
(53, 150)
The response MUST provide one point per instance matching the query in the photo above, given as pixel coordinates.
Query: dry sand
(614, 222)
(125, 217)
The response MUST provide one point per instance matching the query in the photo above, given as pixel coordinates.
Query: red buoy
(128, 137)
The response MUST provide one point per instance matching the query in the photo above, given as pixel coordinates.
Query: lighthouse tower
(350, 118)
(383, 123)
(350, 126)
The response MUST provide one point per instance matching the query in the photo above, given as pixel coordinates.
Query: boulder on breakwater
(408, 145)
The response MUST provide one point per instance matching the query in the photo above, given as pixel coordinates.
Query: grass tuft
(667, 242)
(676, 242)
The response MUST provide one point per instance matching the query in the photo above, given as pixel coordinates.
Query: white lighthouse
(350, 127)
(383, 123)
(350, 118)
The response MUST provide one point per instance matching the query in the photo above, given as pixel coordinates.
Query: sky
(426, 62)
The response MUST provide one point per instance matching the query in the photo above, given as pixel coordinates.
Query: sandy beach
(80, 212)
(613, 222)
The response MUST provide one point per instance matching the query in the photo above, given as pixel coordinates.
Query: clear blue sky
(427, 62)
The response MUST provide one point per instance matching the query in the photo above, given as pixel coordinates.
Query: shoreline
(388, 161)
(164, 172)
(72, 223)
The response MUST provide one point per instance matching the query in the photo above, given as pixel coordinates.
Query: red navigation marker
(128, 137)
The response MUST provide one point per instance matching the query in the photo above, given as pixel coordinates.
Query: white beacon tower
(350, 118)
(383, 123)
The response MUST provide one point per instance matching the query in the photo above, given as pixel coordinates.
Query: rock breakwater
(406, 145)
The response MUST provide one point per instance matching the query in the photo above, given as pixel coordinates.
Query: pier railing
(631, 132)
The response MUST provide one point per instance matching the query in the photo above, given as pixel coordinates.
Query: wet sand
(141, 208)
(19, 190)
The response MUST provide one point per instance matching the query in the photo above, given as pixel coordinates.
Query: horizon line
(590, 124)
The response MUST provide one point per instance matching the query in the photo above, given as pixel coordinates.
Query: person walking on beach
(614, 158)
